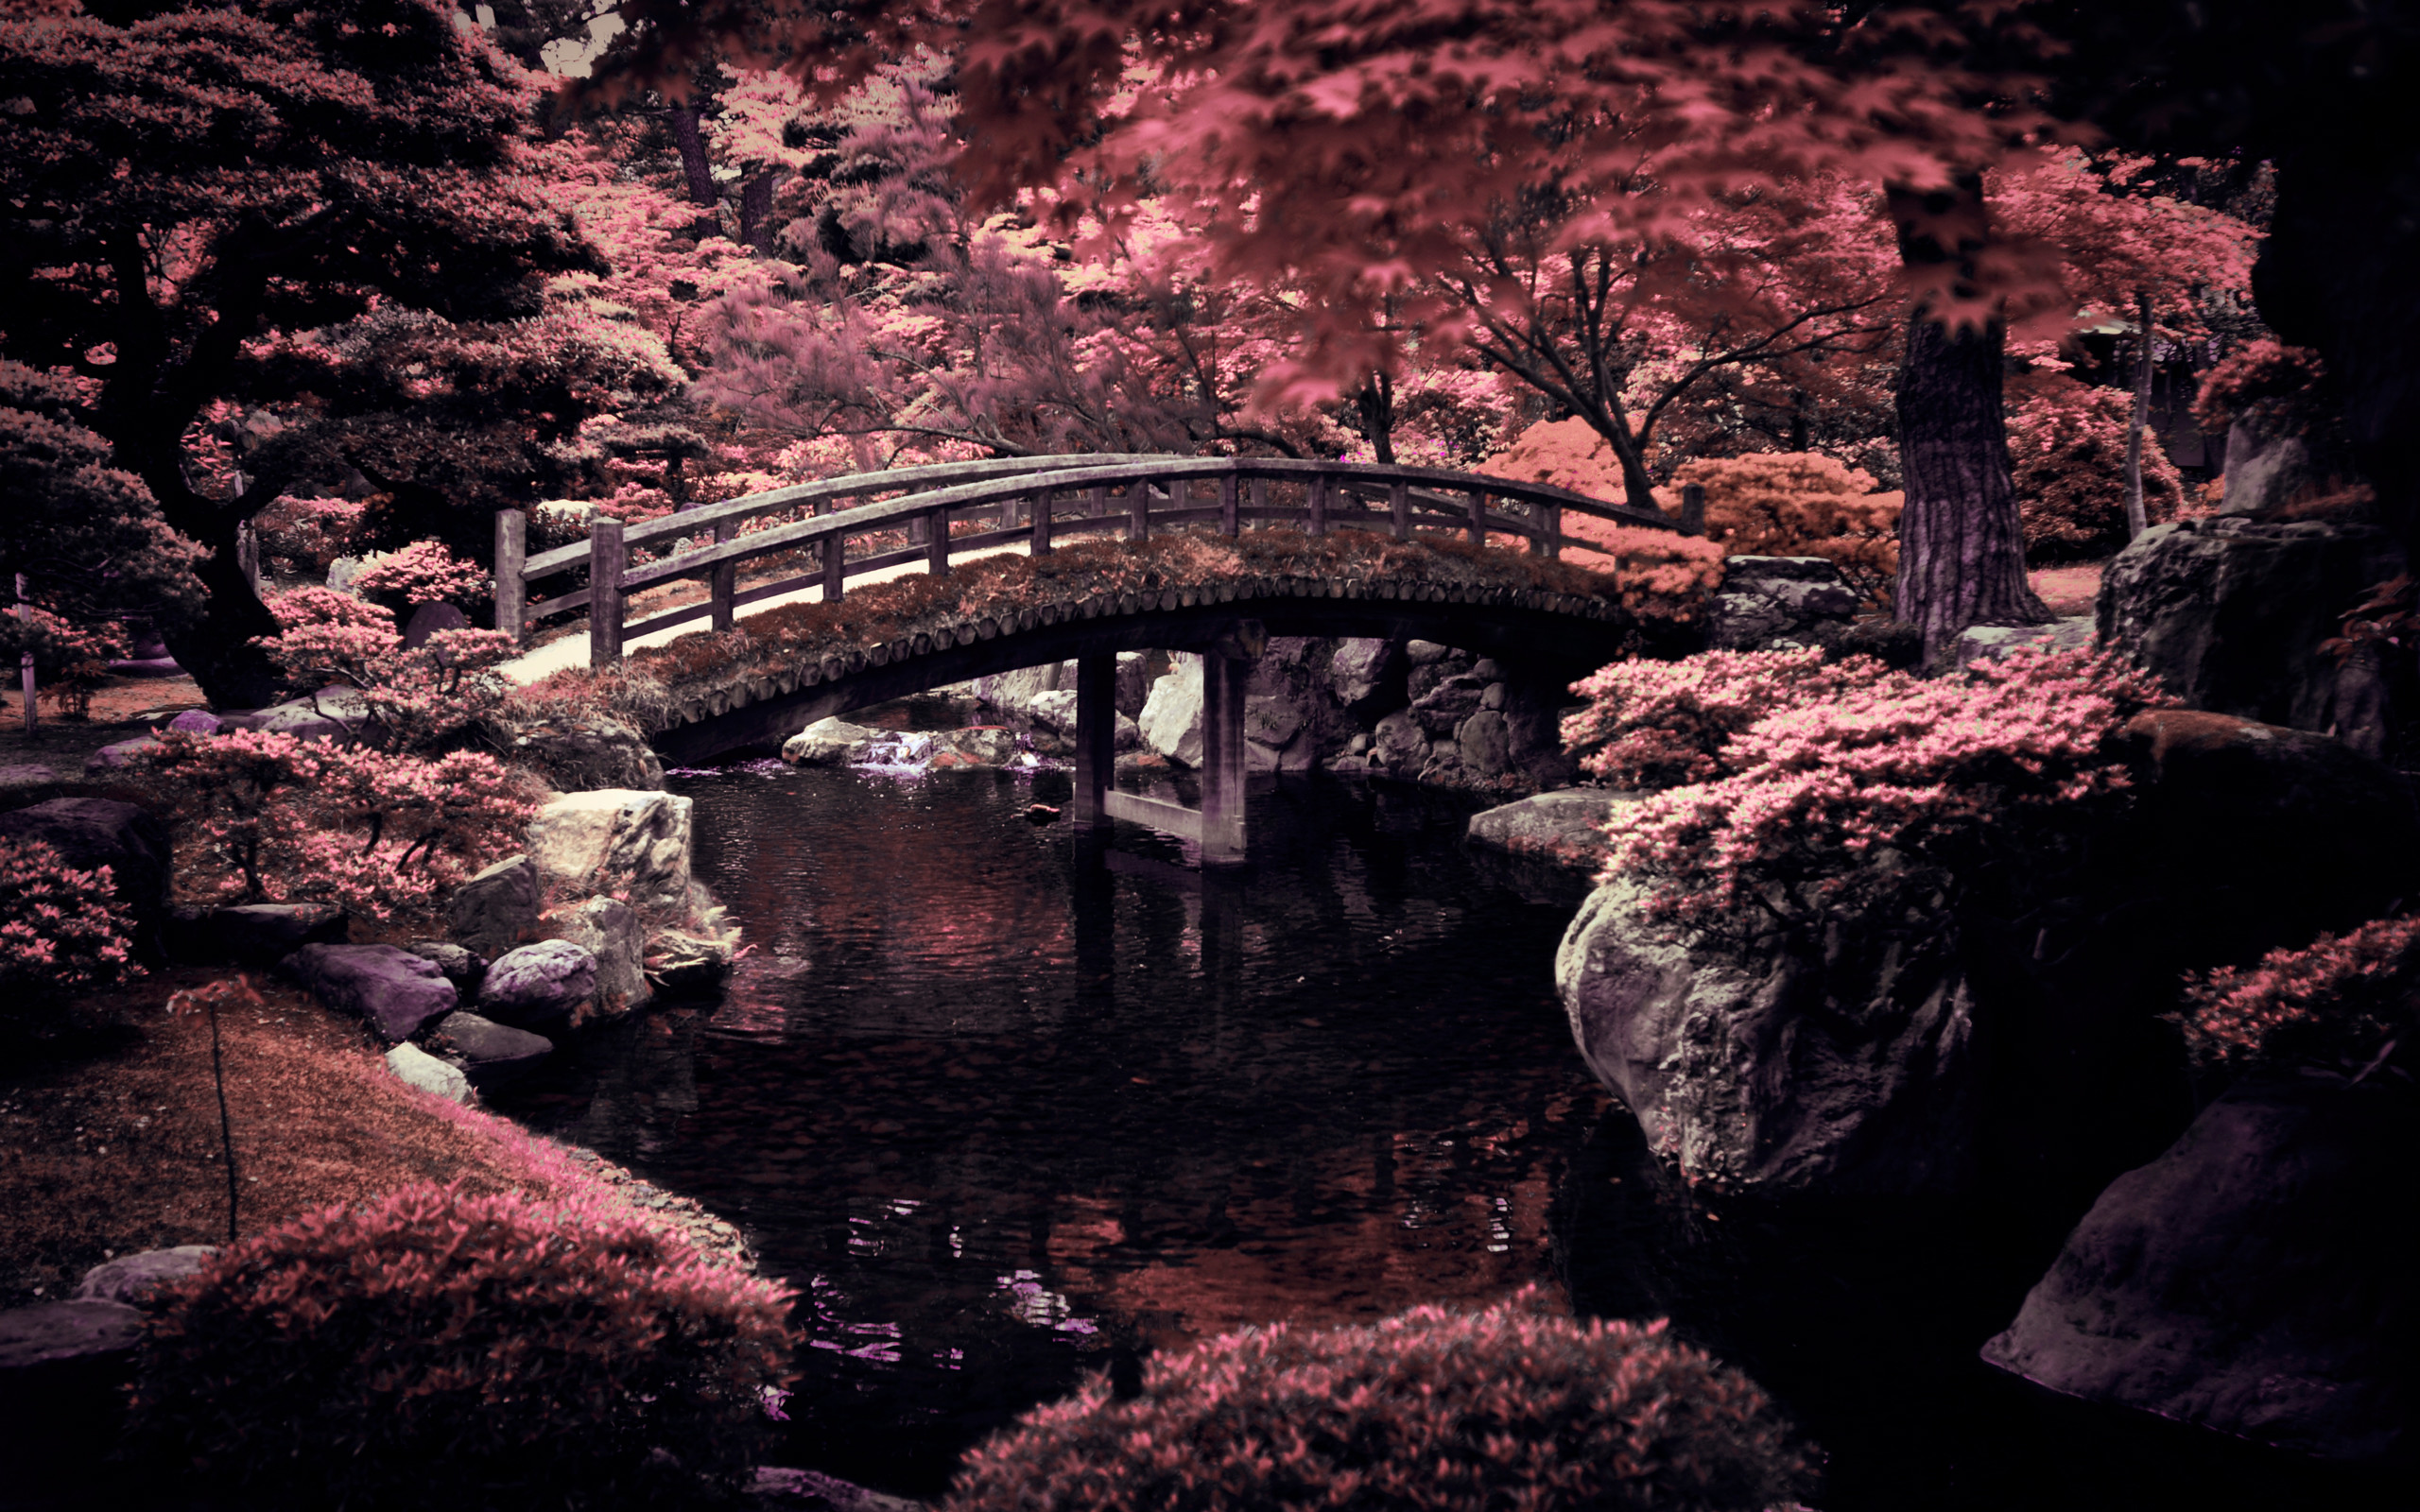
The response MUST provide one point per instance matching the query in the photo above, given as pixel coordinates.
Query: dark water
(997, 1109)
(1000, 1102)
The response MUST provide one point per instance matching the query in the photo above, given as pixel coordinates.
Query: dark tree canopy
(185, 184)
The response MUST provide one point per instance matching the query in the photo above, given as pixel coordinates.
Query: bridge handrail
(789, 496)
(994, 481)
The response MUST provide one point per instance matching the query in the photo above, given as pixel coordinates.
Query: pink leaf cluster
(1798, 503)
(1855, 791)
(2067, 452)
(416, 696)
(266, 817)
(426, 573)
(2286, 387)
(61, 930)
(431, 1339)
(1438, 1408)
(2343, 1000)
(1659, 723)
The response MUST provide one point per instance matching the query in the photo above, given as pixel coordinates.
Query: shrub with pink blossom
(432, 1349)
(425, 573)
(268, 817)
(2343, 1001)
(2285, 390)
(1866, 791)
(308, 535)
(61, 930)
(1434, 1408)
(417, 696)
(2067, 448)
(71, 658)
(1650, 723)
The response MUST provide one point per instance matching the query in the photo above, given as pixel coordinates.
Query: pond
(1001, 1101)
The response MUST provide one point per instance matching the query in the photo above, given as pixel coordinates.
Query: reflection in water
(996, 1102)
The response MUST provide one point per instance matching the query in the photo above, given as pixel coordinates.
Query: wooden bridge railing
(1127, 493)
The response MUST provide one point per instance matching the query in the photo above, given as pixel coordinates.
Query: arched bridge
(1034, 502)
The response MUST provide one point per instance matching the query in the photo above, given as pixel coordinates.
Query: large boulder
(1359, 672)
(387, 987)
(1997, 643)
(607, 929)
(2230, 614)
(2259, 836)
(62, 1368)
(259, 933)
(2266, 464)
(585, 753)
(498, 909)
(1171, 720)
(2256, 1279)
(135, 1279)
(416, 1067)
(833, 742)
(1056, 711)
(680, 962)
(1762, 1068)
(1769, 601)
(493, 1053)
(616, 842)
(1567, 827)
(89, 832)
(539, 985)
(1012, 692)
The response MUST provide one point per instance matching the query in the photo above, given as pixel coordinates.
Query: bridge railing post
(724, 582)
(606, 559)
(1693, 508)
(1041, 521)
(1138, 511)
(1229, 502)
(1547, 543)
(937, 542)
(1478, 517)
(835, 570)
(511, 588)
(1399, 508)
(1260, 499)
(1317, 504)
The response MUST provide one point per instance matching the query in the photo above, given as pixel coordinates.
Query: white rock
(1171, 721)
(419, 1068)
(618, 842)
(832, 742)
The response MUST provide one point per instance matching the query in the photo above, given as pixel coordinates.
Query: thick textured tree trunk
(1962, 548)
(691, 139)
(756, 211)
(217, 649)
(1375, 405)
(1961, 551)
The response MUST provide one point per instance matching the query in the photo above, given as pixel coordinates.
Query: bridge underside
(1555, 645)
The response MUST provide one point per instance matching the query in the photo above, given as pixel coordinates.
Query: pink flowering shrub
(1435, 1408)
(60, 930)
(298, 535)
(1659, 724)
(2285, 389)
(431, 1349)
(416, 697)
(1798, 503)
(2066, 450)
(71, 658)
(1864, 791)
(2343, 1000)
(269, 818)
(425, 573)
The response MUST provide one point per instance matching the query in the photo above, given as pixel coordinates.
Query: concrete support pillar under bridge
(1218, 826)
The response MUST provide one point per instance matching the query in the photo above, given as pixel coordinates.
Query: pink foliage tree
(61, 930)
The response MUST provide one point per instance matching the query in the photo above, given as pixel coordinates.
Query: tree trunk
(691, 140)
(756, 211)
(217, 649)
(2137, 518)
(1962, 548)
(1375, 405)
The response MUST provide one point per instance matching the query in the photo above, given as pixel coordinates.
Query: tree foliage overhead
(189, 183)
